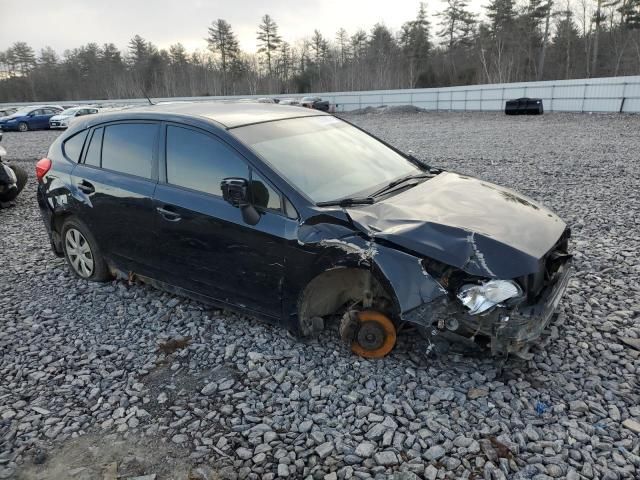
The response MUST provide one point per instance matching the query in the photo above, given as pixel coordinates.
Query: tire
(23, 127)
(21, 177)
(82, 252)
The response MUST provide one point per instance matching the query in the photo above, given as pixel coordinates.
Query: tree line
(524, 41)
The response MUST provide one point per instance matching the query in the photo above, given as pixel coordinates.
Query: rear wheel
(82, 252)
(23, 126)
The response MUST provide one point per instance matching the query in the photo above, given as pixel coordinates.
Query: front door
(203, 243)
(38, 119)
(117, 179)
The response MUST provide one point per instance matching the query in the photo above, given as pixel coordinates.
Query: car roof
(228, 114)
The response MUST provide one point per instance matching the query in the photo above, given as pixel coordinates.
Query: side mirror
(235, 191)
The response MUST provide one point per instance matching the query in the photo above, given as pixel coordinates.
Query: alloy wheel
(23, 127)
(79, 253)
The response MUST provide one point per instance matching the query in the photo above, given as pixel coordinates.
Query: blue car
(30, 118)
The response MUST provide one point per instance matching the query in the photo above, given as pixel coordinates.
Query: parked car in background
(299, 217)
(12, 179)
(289, 101)
(266, 100)
(5, 112)
(316, 103)
(62, 119)
(30, 118)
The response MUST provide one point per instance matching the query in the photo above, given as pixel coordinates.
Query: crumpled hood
(471, 224)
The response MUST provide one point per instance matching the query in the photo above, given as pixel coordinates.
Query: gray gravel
(245, 401)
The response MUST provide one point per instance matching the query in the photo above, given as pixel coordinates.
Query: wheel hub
(371, 335)
(79, 253)
(375, 336)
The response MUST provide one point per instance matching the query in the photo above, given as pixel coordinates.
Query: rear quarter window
(94, 148)
(72, 146)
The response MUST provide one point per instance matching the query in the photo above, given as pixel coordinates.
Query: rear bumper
(47, 219)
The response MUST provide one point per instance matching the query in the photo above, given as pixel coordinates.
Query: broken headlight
(480, 298)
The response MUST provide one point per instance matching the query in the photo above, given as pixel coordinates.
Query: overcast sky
(71, 23)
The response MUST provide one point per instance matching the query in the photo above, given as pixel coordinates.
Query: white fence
(617, 94)
(612, 94)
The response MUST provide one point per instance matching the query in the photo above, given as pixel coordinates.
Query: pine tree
(564, 42)
(319, 47)
(630, 14)
(359, 43)
(381, 41)
(285, 61)
(24, 57)
(415, 43)
(342, 40)
(269, 39)
(501, 14)
(222, 40)
(48, 58)
(457, 23)
(138, 51)
(178, 54)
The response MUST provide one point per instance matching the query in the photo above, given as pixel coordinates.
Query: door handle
(168, 214)
(86, 187)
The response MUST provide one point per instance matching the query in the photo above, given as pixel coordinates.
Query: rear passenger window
(93, 151)
(72, 147)
(200, 162)
(128, 148)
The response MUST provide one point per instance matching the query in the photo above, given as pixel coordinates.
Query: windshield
(68, 112)
(325, 158)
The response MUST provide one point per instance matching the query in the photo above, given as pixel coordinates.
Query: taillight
(42, 167)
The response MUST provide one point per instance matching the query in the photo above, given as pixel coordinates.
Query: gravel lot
(86, 392)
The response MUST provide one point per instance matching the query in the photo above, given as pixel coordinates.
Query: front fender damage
(401, 275)
(418, 297)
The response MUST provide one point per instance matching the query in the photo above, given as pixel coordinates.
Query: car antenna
(147, 97)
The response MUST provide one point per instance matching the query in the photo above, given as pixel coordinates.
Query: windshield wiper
(399, 181)
(347, 202)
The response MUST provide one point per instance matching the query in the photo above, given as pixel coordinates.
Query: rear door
(117, 178)
(203, 242)
(47, 114)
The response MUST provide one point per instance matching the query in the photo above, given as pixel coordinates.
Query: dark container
(524, 106)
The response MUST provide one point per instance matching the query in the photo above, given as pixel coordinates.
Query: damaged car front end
(506, 316)
(500, 260)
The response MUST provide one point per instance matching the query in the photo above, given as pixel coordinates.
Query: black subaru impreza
(299, 217)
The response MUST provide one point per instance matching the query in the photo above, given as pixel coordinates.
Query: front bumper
(505, 330)
(58, 124)
(518, 328)
(8, 127)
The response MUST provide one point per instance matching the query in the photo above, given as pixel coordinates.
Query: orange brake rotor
(376, 335)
